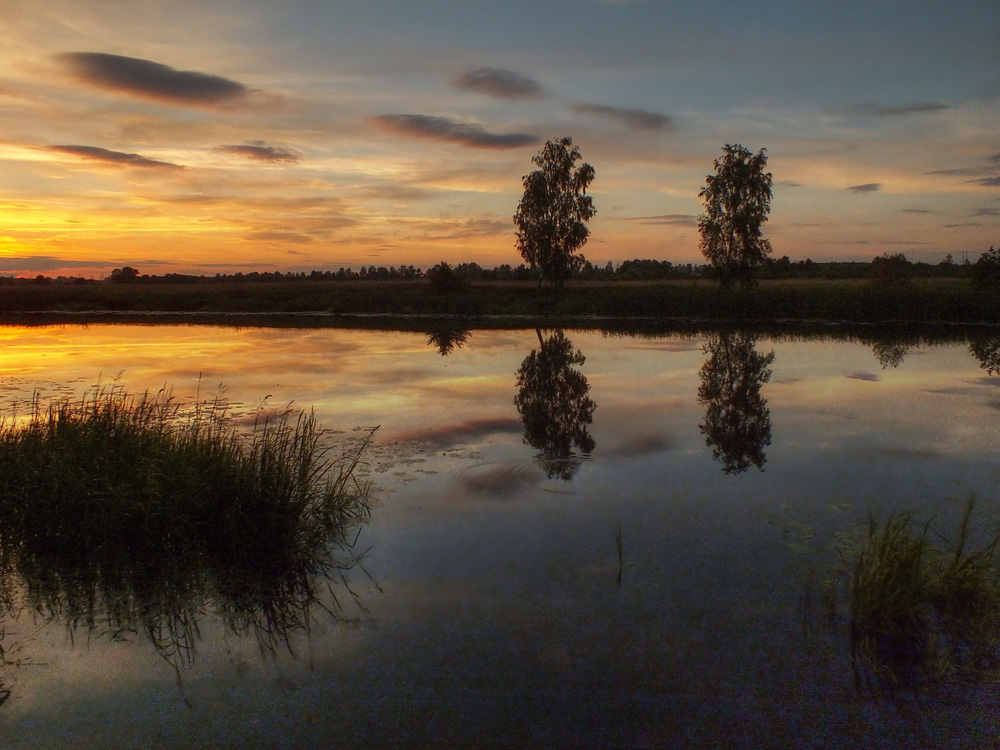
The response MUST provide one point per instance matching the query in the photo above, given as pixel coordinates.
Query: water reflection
(261, 584)
(890, 354)
(446, 340)
(987, 351)
(737, 422)
(552, 399)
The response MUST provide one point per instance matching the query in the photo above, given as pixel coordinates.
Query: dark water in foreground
(578, 540)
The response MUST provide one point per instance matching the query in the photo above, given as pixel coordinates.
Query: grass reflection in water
(923, 610)
(127, 514)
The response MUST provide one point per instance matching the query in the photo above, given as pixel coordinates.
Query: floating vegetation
(125, 514)
(922, 610)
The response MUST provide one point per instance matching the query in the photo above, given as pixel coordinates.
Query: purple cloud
(121, 158)
(450, 131)
(152, 80)
(501, 84)
(637, 119)
(260, 151)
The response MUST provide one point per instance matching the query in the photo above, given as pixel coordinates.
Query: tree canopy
(737, 202)
(551, 217)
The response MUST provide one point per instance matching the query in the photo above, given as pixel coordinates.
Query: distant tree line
(885, 269)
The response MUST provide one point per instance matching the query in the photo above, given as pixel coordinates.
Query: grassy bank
(124, 514)
(924, 300)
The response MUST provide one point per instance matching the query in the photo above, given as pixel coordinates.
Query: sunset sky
(205, 136)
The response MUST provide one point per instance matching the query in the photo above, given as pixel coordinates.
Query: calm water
(494, 608)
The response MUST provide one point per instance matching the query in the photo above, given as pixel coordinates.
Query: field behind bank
(923, 300)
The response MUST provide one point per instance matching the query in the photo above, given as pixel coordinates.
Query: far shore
(488, 304)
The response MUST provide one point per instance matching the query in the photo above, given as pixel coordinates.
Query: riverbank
(924, 301)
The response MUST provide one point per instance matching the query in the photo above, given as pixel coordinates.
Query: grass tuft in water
(124, 513)
(923, 610)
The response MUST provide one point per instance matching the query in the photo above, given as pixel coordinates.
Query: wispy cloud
(988, 181)
(274, 236)
(18, 264)
(153, 80)
(260, 151)
(637, 119)
(678, 220)
(474, 228)
(449, 131)
(120, 158)
(501, 84)
(995, 158)
(917, 211)
(916, 108)
(869, 187)
(958, 172)
(987, 211)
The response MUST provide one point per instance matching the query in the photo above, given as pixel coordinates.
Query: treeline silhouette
(629, 270)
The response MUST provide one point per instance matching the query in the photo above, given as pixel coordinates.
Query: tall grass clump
(123, 512)
(923, 610)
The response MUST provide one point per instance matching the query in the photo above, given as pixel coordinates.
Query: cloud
(917, 211)
(962, 172)
(869, 376)
(96, 153)
(995, 158)
(917, 108)
(677, 220)
(987, 211)
(988, 181)
(501, 84)
(449, 131)
(153, 80)
(15, 264)
(277, 236)
(260, 151)
(475, 228)
(637, 119)
(869, 187)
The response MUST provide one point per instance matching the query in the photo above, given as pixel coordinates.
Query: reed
(122, 512)
(923, 610)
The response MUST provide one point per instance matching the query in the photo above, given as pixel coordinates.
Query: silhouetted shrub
(891, 270)
(444, 278)
(986, 271)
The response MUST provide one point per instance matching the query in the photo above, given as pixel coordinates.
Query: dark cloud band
(259, 151)
(121, 158)
(677, 220)
(637, 119)
(917, 108)
(450, 131)
(145, 78)
(868, 187)
(502, 84)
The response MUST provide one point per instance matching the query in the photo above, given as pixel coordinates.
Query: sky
(208, 136)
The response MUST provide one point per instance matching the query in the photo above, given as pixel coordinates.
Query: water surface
(493, 607)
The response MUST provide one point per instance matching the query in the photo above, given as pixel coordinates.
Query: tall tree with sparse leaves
(551, 217)
(737, 201)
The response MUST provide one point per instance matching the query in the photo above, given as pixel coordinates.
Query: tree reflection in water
(890, 354)
(447, 340)
(554, 406)
(987, 351)
(737, 421)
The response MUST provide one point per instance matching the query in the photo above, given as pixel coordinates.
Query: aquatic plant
(922, 611)
(122, 513)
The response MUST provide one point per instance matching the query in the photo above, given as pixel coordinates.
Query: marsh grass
(922, 610)
(126, 513)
